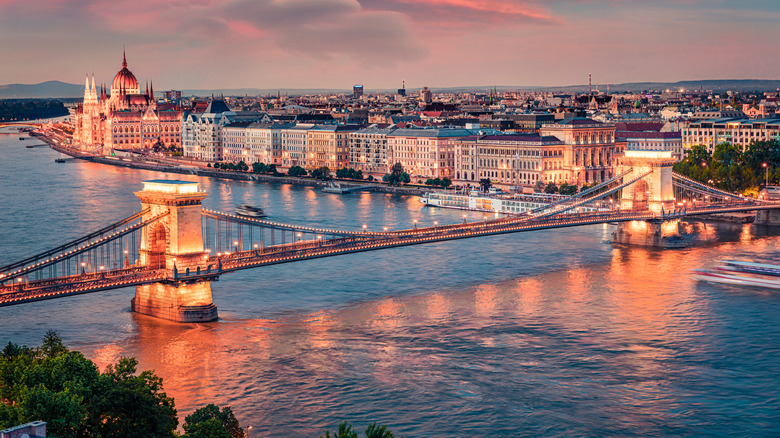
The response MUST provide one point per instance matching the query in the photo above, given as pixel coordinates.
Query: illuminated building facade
(124, 118)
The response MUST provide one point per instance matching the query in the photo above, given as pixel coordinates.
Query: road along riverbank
(189, 169)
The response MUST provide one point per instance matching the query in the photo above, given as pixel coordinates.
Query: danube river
(548, 333)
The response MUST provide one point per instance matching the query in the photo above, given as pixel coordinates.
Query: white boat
(250, 211)
(742, 273)
(493, 202)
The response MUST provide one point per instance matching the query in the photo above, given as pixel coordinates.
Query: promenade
(186, 167)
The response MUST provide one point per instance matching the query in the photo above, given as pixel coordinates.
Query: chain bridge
(172, 249)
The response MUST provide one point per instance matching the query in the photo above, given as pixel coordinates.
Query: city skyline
(337, 43)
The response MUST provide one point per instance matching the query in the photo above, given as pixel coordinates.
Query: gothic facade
(124, 118)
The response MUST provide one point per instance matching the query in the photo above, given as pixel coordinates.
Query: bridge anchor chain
(175, 244)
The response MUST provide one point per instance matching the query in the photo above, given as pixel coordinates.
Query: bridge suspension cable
(575, 196)
(709, 189)
(75, 242)
(65, 256)
(592, 199)
(280, 226)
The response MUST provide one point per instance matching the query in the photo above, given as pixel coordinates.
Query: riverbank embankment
(189, 169)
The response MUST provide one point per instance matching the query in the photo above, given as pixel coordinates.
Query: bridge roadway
(311, 249)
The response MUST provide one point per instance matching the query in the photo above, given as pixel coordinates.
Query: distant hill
(65, 90)
(44, 89)
(712, 84)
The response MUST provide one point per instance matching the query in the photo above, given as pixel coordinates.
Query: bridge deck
(291, 252)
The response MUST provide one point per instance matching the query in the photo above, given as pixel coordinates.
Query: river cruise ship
(742, 274)
(493, 201)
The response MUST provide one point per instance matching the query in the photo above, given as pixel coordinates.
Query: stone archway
(640, 195)
(157, 246)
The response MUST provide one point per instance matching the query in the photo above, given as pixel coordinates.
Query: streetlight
(766, 168)
(464, 219)
(299, 237)
(435, 224)
(415, 224)
(247, 431)
(235, 243)
(83, 264)
(364, 227)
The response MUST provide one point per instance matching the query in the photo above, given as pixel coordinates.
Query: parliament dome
(125, 80)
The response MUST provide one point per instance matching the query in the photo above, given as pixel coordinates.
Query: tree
(446, 182)
(66, 390)
(376, 431)
(322, 173)
(209, 421)
(539, 187)
(397, 175)
(566, 189)
(296, 171)
(259, 168)
(345, 431)
(485, 183)
(551, 188)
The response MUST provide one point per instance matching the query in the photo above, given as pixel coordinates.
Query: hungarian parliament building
(124, 118)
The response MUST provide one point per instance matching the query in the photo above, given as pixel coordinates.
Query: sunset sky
(187, 44)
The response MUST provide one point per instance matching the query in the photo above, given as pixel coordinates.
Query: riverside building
(124, 118)
(512, 160)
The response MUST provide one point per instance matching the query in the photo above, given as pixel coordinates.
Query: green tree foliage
(397, 175)
(729, 168)
(259, 168)
(296, 171)
(66, 390)
(28, 109)
(378, 431)
(211, 422)
(551, 188)
(566, 189)
(539, 187)
(443, 182)
(347, 431)
(486, 184)
(322, 173)
(349, 173)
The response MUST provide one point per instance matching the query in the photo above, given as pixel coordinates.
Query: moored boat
(494, 201)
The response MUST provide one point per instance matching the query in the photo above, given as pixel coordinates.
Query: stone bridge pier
(769, 217)
(653, 192)
(174, 243)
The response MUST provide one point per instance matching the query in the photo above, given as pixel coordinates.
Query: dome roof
(125, 80)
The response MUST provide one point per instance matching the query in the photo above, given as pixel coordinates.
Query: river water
(548, 333)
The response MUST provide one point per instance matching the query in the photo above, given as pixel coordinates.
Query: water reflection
(543, 333)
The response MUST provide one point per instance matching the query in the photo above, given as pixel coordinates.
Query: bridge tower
(653, 191)
(174, 243)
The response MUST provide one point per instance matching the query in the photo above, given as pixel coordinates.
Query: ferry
(742, 274)
(494, 201)
(250, 211)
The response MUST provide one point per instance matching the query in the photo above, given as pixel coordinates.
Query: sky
(268, 44)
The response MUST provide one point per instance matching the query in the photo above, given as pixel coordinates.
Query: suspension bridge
(173, 248)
